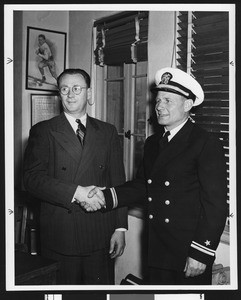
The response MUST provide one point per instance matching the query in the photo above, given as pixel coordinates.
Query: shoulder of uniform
(201, 133)
(153, 138)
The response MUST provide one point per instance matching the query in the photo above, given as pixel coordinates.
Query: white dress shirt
(73, 122)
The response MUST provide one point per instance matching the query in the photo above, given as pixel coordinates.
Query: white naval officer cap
(179, 82)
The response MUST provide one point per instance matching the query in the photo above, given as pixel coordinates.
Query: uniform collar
(175, 130)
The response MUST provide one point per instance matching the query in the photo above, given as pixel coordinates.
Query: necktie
(81, 130)
(164, 141)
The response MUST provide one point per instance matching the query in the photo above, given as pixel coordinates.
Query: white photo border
(9, 142)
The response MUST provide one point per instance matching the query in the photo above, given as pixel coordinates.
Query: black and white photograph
(46, 51)
(120, 169)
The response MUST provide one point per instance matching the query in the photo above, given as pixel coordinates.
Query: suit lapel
(66, 137)
(176, 146)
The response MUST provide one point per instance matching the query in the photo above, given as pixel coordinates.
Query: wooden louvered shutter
(121, 38)
(208, 60)
(182, 39)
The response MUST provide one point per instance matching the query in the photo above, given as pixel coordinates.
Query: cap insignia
(166, 77)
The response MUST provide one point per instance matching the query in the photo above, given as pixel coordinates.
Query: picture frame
(44, 107)
(45, 58)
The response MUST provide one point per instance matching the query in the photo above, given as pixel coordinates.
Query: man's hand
(117, 244)
(94, 193)
(98, 192)
(89, 204)
(194, 267)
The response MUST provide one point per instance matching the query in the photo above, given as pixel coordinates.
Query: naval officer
(183, 179)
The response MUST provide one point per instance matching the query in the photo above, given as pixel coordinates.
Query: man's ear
(89, 93)
(188, 104)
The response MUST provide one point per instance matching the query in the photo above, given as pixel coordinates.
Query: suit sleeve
(213, 195)
(117, 177)
(36, 170)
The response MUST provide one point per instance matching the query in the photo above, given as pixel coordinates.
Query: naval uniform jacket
(185, 190)
(55, 164)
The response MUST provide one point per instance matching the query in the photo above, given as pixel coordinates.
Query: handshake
(90, 198)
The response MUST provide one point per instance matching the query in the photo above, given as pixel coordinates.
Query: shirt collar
(72, 121)
(175, 130)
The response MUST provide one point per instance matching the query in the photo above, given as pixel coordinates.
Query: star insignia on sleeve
(207, 243)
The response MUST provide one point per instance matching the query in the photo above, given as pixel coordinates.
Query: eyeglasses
(76, 89)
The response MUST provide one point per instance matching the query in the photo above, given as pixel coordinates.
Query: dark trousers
(172, 277)
(96, 268)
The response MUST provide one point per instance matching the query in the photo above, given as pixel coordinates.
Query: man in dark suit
(183, 180)
(63, 154)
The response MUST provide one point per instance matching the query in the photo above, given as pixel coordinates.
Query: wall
(160, 41)
(80, 37)
(81, 44)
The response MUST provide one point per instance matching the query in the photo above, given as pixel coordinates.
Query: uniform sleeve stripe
(201, 246)
(114, 197)
(116, 200)
(203, 249)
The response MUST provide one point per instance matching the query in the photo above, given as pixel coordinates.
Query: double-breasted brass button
(149, 181)
(167, 220)
(167, 183)
(167, 202)
(150, 217)
(149, 199)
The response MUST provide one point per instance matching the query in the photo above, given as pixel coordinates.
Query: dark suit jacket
(55, 164)
(185, 188)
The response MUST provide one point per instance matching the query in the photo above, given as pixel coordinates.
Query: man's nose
(160, 105)
(70, 93)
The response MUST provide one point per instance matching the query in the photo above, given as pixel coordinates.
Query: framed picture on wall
(44, 107)
(46, 58)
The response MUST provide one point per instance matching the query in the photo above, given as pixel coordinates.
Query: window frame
(129, 111)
